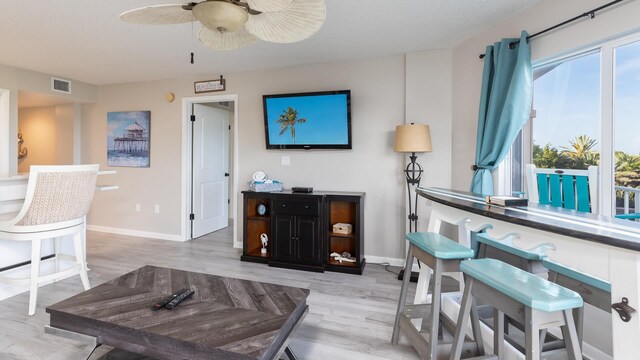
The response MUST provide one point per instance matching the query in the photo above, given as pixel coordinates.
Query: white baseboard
(137, 233)
(237, 244)
(381, 260)
(392, 261)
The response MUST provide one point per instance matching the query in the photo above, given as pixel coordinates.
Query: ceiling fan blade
(158, 15)
(298, 22)
(225, 40)
(269, 5)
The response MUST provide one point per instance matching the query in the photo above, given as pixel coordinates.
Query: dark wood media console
(300, 229)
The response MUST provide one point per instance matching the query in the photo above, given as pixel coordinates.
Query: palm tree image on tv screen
(288, 120)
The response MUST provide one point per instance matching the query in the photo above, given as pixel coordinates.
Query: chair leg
(56, 260)
(422, 292)
(498, 333)
(435, 310)
(532, 335)
(543, 337)
(570, 336)
(77, 242)
(475, 327)
(578, 317)
(403, 296)
(35, 274)
(422, 287)
(84, 242)
(463, 316)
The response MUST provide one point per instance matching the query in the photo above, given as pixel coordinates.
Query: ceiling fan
(233, 24)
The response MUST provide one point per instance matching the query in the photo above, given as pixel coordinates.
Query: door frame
(187, 103)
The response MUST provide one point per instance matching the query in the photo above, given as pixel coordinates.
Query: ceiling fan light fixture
(225, 41)
(220, 15)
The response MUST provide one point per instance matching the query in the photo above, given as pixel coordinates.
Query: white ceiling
(85, 39)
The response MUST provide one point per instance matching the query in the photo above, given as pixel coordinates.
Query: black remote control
(160, 304)
(178, 299)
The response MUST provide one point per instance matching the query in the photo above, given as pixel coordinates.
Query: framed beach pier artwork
(128, 138)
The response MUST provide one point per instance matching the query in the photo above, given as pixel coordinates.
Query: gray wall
(379, 88)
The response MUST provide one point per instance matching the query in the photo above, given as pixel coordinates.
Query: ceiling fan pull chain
(192, 37)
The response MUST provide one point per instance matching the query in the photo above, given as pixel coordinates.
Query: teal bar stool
(534, 302)
(442, 255)
(504, 250)
(594, 291)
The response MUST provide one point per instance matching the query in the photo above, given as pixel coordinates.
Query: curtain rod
(590, 13)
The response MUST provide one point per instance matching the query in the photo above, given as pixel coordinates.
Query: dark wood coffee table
(226, 318)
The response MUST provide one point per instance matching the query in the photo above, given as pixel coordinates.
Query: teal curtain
(505, 106)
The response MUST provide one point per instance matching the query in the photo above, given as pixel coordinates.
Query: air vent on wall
(61, 85)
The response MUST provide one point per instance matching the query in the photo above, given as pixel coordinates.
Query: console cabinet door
(308, 240)
(283, 248)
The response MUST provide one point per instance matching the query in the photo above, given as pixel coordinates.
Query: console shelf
(300, 230)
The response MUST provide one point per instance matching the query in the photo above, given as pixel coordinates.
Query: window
(585, 112)
(565, 132)
(626, 122)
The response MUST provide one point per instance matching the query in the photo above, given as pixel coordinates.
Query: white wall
(467, 67)
(11, 81)
(48, 135)
(428, 93)
(377, 105)
(160, 183)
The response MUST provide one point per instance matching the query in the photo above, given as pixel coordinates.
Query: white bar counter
(604, 247)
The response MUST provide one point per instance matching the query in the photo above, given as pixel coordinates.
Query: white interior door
(210, 186)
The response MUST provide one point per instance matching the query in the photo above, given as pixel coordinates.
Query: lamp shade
(413, 138)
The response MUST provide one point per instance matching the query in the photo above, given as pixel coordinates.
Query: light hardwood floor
(350, 316)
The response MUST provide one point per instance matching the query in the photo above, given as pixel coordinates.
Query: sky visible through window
(627, 99)
(567, 101)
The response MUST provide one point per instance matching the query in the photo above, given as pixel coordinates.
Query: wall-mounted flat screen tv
(317, 120)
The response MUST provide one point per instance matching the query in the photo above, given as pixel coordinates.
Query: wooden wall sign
(209, 86)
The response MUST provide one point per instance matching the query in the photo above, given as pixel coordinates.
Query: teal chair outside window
(566, 188)
(569, 189)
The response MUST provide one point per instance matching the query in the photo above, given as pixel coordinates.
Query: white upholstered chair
(57, 201)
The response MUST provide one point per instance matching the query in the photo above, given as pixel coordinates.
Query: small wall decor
(128, 138)
(22, 152)
(209, 86)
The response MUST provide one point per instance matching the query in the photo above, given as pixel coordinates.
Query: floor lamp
(412, 138)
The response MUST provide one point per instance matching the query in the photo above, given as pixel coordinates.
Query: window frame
(606, 167)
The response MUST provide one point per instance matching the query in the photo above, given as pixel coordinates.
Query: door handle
(226, 174)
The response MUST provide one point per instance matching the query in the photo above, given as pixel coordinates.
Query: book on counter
(504, 200)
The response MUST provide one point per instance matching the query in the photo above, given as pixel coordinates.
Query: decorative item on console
(342, 228)
(264, 239)
(345, 256)
(261, 183)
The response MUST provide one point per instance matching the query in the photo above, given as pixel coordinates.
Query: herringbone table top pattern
(225, 318)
